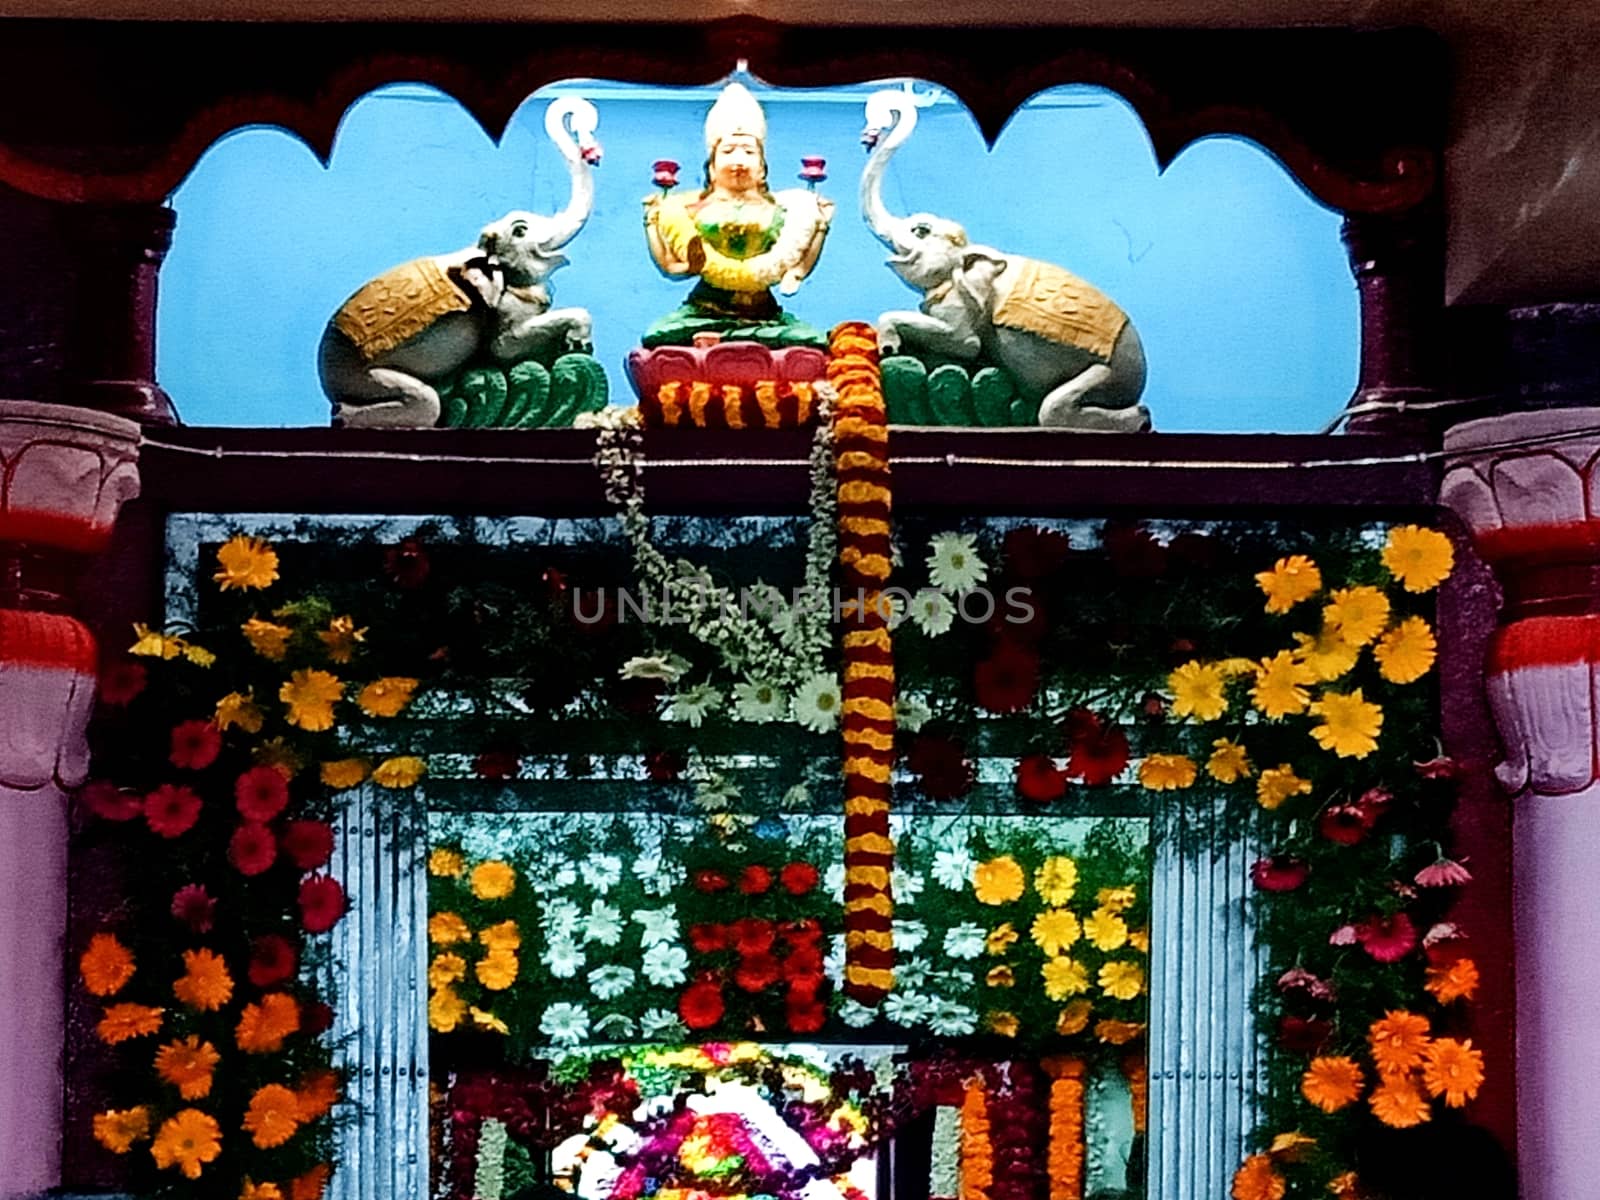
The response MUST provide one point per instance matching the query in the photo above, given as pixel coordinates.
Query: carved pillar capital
(1398, 263)
(111, 334)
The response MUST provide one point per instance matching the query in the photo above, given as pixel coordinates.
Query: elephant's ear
(973, 257)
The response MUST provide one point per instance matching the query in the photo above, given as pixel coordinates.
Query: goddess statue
(737, 237)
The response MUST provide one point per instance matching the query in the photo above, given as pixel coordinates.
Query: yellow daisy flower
(1228, 762)
(267, 638)
(497, 970)
(341, 637)
(445, 1010)
(447, 928)
(1074, 1017)
(402, 771)
(1139, 939)
(1197, 691)
(999, 881)
(1279, 689)
(445, 863)
(1055, 930)
(1001, 976)
(1356, 615)
(1327, 656)
(311, 695)
(493, 880)
(1056, 880)
(238, 710)
(1420, 559)
(446, 969)
(1116, 899)
(1405, 654)
(198, 655)
(1166, 772)
(1350, 724)
(246, 563)
(343, 773)
(1064, 978)
(386, 697)
(1121, 980)
(152, 643)
(1000, 939)
(502, 936)
(1290, 581)
(487, 1020)
(1279, 783)
(1105, 929)
(1004, 1023)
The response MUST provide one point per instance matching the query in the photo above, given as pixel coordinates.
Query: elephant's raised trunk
(891, 116)
(579, 152)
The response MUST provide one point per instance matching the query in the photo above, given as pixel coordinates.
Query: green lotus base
(951, 395)
(528, 396)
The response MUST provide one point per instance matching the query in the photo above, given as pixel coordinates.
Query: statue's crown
(735, 112)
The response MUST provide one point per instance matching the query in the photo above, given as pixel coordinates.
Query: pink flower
(1298, 979)
(1388, 939)
(1444, 931)
(1279, 874)
(1346, 824)
(195, 907)
(1443, 872)
(1345, 935)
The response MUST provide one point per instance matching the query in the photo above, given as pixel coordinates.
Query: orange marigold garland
(861, 448)
(1066, 1156)
(977, 1154)
(765, 404)
(1137, 1073)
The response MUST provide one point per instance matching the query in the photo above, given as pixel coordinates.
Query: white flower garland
(489, 1178)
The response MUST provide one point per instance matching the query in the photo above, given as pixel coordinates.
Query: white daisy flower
(660, 924)
(908, 935)
(833, 881)
(833, 961)
(796, 799)
(908, 1008)
(716, 793)
(952, 869)
(760, 702)
(964, 941)
(913, 973)
(932, 612)
(911, 712)
(565, 1024)
(557, 872)
(664, 964)
(560, 919)
(856, 1014)
(666, 667)
(563, 958)
(953, 562)
(950, 1019)
(661, 1024)
(617, 1025)
(609, 982)
(602, 872)
(695, 704)
(817, 703)
(905, 885)
(603, 924)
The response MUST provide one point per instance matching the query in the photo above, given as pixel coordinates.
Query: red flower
(803, 1011)
(798, 878)
(751, 935)
(316, 1018)
(272, 960)
(109, 802)
(308, 844)
(756, 972)
(121, 681)
(941, 766)
(701, 1005)
(407, 564)
(1441, 767)
(1134, 553)
(172, 810)
(261, 793)
(803, 963)
(1032, 553)
(1040, 780)
(754, 880)
(252, 849)
(1388, 939)
(497, 764)
(663, 766)
(195, 745)
(1096, 752)
(1346, 824)
(195, 907)
(1279, 874)
(322, 903)
(708, 939)
(805, 932)
(1304, 1035)
(709, 881)
(1006, 681)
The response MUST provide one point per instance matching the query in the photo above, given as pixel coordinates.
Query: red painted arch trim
(1578, 540)
(36, 639)
(1545, 642)
(52, 529)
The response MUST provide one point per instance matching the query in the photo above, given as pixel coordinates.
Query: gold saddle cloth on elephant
(398, 305)
(1047, 300)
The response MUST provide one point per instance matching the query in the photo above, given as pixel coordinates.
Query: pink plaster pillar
(64, 474)
(1526, 486)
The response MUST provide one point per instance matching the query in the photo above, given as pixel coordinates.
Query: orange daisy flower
(1399, 1104)
(187, 1065)
(124, 1021)
(318, 1093)
(118, 1129)
(1397, 1041)
(1257, 1179)
(205, 984)
(273, 1116)
(187, 1141)
(312, 1184)
(1454, 981)
(264, 1024)
(1452, 1069)
(1331, 1082)
(106, 966)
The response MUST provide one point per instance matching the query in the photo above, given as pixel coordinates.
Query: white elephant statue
(1065, 344)
(387, 350)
